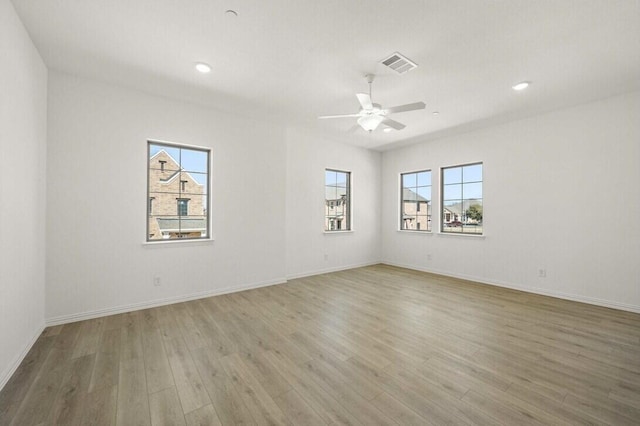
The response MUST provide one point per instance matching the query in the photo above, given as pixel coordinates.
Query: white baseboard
(535, 290)
(332, 269)
(64, 319)
(6, 375)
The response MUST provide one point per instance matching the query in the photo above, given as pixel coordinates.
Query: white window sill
(463, 235)
(350, 231)
(168, 243)
(414, 231)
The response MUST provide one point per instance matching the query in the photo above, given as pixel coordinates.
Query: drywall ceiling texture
(96, 187)
(560, 194)
(310, 250)
(295, 60)
(23, 132)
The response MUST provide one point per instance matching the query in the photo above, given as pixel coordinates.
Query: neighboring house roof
(165, 180)
(409, 195)
(162, 151)
(457, 207)
(167, 224)
(454, 208)
(175, 166)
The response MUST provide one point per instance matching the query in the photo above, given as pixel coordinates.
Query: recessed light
(436, 113)
(231, 13)
(521, 86)
(203, 68)
(387, 129)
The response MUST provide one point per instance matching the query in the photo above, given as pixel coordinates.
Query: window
(337, 208)
(178, 192)
(415, 203)
(462, 199)
(183, 207)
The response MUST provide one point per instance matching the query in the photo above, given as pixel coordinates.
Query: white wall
(561, 193)
(96, 197)
(23, 128)
(307, 244)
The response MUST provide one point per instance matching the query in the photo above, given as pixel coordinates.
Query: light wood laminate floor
(368, 346)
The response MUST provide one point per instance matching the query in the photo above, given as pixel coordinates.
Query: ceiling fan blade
(407, 107)
(365, 101)
(339, 116)
(393, 123)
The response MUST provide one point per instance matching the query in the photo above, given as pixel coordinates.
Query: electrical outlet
(429, 256)
(542, 273)
(326, 257)
(157, 281)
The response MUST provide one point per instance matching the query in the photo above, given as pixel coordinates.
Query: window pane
(331, 193)
(415, 199)
(473, 210)
(200, 178)
(472, 190)
(452, 175)
(452, 192)
(194, 161)
(424, 193)
(424, 179)
(472, 173)
(337, 200)
(409, 195)
(462, 202)
(452, 216)
(179, 197)
(409, 180)
(330, 177)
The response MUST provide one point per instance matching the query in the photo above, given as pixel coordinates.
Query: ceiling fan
(372, 115)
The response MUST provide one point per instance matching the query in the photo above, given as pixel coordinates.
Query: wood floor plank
(331, 380)
(131, 338)
(71, 399)
(133, 401)
(107, 366)
(610, 412)
(265, 373)
(401, 413)
(190, 388)
(88, 337)
(372, 345)
(203, 416)
(156, 363)
(259, 403)
(13, 393)
(165, 408)
(36, 405)
(52, 331)
(297, 410)
(225, 398)
(322, 402)
(100, 407)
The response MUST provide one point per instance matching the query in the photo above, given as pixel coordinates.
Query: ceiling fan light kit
(521, 86)
(370, 122)
(371, 115)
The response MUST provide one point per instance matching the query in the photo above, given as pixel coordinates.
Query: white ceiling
(296, 59)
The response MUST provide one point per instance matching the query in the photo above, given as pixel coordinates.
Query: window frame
(462, 199)
(428, 215)
(347, 206)
(180, 196)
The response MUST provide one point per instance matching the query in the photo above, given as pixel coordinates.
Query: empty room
(408, 212)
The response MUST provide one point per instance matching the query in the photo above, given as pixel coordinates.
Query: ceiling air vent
(398, 63)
